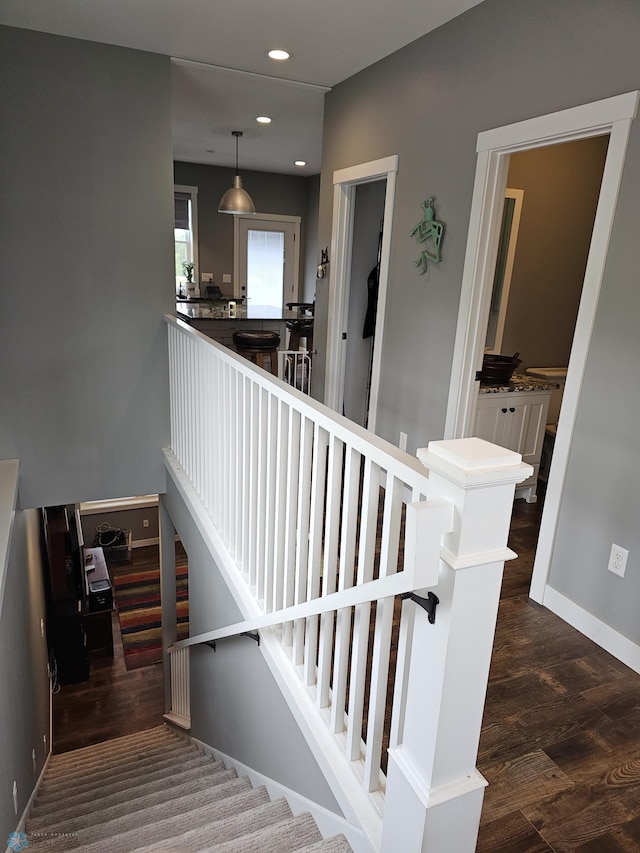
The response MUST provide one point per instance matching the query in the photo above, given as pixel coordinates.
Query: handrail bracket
(429, 603)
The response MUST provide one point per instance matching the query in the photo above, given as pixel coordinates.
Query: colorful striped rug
(137, 593)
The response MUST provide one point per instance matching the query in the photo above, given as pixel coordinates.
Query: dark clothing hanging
(372, 303)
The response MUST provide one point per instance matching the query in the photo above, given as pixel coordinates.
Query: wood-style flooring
(114, 701)
(560, 744)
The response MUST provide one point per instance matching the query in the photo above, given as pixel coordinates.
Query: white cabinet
(515, 420)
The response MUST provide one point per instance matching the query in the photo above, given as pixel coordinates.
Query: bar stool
(302, 327)
(258, 346)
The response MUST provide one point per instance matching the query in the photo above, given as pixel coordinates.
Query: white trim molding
(345, 182)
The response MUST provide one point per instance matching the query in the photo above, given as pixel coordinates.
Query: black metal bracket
(253, 635)
(429, 604)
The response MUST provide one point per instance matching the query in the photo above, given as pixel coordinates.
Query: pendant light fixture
(236, 200)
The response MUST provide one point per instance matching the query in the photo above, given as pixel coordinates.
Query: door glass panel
(265, 267)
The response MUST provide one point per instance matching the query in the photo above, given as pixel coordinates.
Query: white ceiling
(222, 76)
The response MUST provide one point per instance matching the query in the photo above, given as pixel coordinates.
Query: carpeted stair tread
(84, 776)
(92, 762)
(336, 844)
(168, 794)
(194, 767)
(155, 792)
(127, 777)
(131, 742)
(284, 837)
(230, 830)
(109, 837)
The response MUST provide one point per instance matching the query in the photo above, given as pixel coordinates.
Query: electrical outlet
(207, 277)
(618, 560)
(402, 444)
(145, 522)
(226, 278)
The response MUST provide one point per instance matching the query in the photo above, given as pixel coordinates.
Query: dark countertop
(208, 309)
(520, 382)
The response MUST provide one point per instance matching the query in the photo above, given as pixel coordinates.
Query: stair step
(336, 844)
(129, 776)
(132, 742)
(229, 830)
(166, 793)
(108, 837)
(194, 767)
(81, 776)
(155, 792)
(284, 837)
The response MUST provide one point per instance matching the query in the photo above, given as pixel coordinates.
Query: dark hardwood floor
(114, 701)
(560, 743)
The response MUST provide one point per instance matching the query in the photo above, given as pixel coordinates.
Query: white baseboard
(328, 822)
(141, 543)
(602, 634)
(23, 817)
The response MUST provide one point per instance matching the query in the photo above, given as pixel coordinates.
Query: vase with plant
(188, 271)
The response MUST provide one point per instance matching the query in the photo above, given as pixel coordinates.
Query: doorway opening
(611, 117)
(368, 229)
(346, 182)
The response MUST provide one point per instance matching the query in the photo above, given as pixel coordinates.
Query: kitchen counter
(219, 310)
(519, 382)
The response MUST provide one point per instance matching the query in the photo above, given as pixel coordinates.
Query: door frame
(267, 217)
(345, 182)
(612, 116)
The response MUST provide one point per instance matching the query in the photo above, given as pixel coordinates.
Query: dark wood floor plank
(510, 834)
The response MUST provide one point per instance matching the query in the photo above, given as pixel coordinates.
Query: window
(267, 259)
(186, 239)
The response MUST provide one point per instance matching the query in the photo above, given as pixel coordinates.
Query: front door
(266, 271)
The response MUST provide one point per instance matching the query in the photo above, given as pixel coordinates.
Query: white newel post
(434, 792)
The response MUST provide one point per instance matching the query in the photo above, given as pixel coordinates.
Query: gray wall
(87, 247)
(561, 186)
(285, 195)
(125, 519)
(24, 698)
(236, 706)
(501, 62)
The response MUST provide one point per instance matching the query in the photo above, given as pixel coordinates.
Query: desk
(97, 622)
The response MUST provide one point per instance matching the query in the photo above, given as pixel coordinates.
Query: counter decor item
(429, 230)
(498, 369)
(188, 271)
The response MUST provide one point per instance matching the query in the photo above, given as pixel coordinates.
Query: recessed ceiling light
(279, 54)
(263, 119)
(300, 163)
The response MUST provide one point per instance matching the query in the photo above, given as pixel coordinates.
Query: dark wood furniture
(97, 608)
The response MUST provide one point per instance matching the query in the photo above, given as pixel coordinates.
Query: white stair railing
(180, 713)
(320, 518)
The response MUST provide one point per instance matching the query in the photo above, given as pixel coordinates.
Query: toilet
(557, 375)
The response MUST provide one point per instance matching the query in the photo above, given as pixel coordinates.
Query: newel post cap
(474, 462)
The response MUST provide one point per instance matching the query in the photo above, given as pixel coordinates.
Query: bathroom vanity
(515, 416)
